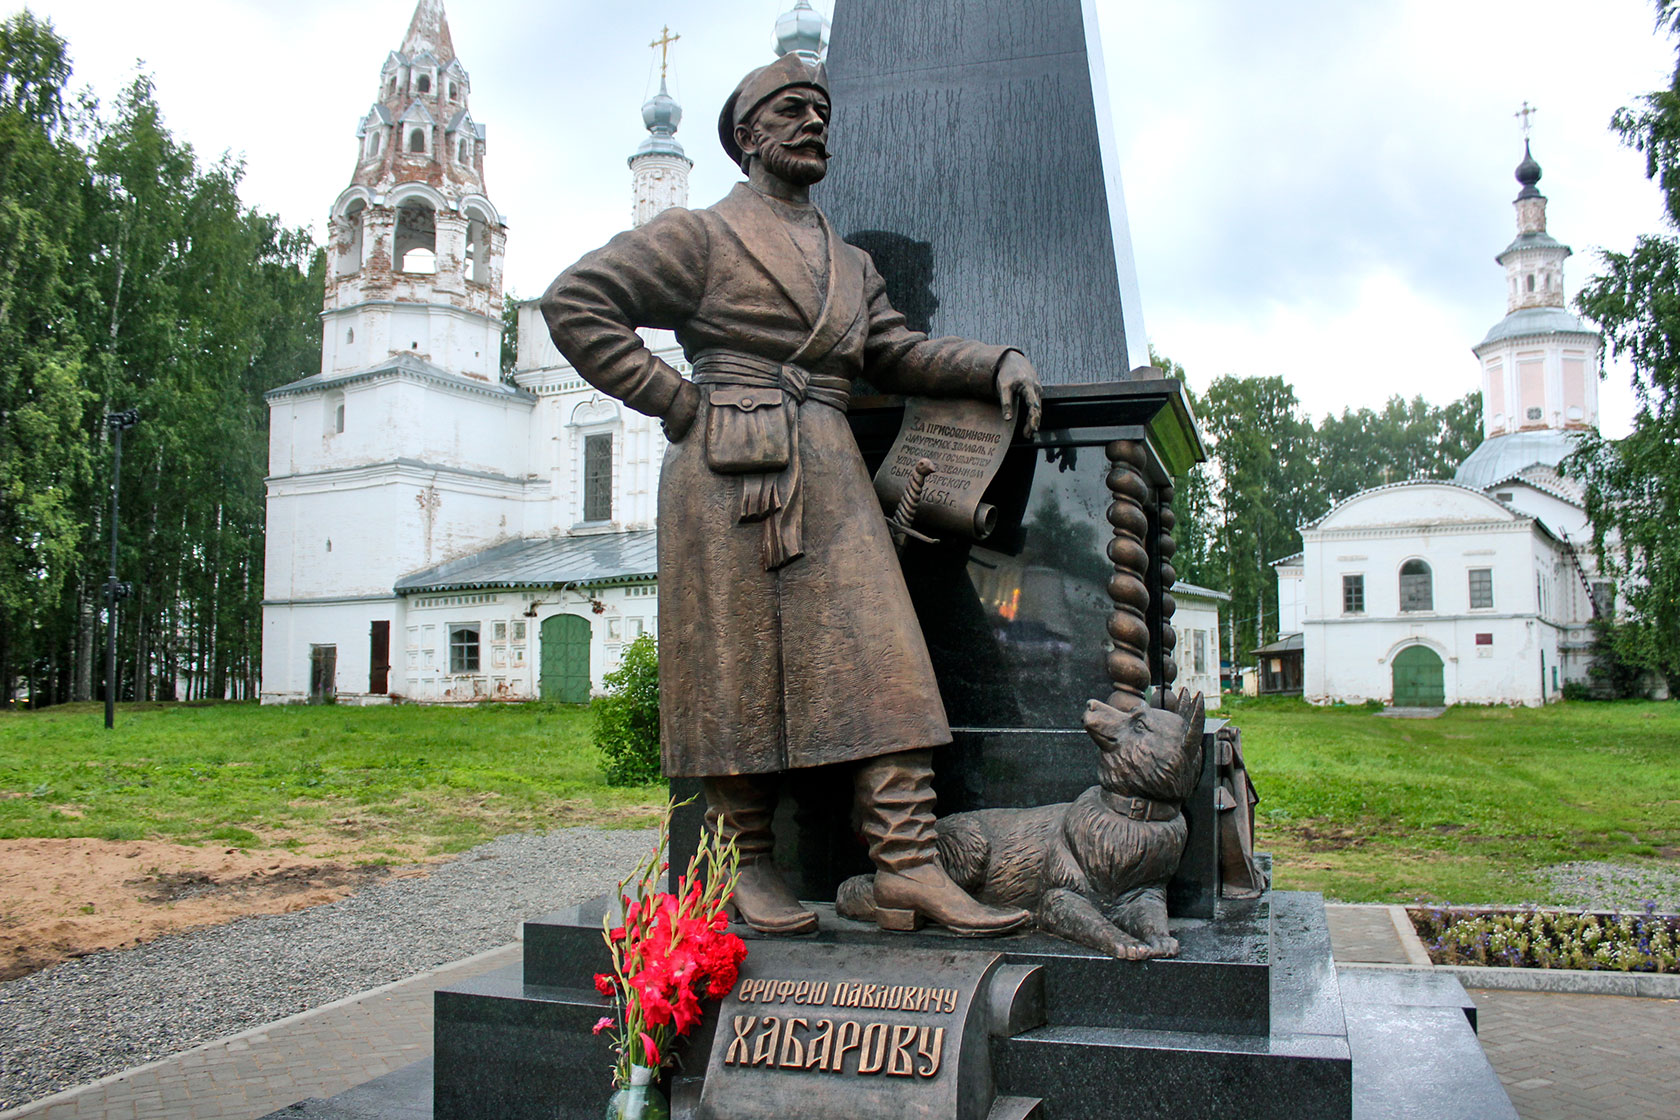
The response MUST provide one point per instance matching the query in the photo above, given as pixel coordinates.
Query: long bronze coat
(821, 660)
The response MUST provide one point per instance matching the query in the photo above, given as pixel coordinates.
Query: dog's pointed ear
(1196, 719)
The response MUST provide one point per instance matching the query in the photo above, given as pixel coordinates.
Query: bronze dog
(1093, 870)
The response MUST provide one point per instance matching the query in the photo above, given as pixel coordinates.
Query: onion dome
(661, 114)
(802, 30)
(1528, 174)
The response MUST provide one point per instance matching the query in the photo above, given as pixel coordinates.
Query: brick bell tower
(415, 244)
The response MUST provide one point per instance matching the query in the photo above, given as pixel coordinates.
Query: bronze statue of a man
(787, 638)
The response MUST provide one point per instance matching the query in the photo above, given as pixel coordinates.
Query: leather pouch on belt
(747, 430)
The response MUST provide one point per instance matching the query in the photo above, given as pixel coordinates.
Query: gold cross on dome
(1526, 112)
(664, 44)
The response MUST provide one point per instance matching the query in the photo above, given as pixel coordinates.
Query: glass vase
(639, 1100)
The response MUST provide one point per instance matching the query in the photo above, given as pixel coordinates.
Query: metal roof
(544, 562)
(1534, 321)
(1541, 240)
(1284, 643)
(1181, 589)
(1503, 457)
(405, 364)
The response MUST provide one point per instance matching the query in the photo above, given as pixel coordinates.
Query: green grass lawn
(1464, 808)
(370, 783)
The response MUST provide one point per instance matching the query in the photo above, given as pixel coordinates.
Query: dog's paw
(1165, 947)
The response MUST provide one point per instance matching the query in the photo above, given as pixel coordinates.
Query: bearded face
(789, 133)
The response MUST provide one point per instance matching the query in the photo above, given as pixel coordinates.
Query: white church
(435, 532)
(1481, 590)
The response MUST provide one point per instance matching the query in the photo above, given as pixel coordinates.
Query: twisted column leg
(1165, 547)
(1128, 626)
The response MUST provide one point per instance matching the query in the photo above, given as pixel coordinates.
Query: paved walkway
(1561, 1057)
(319, 1053)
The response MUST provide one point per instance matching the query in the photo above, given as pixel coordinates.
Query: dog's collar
(1139, 808)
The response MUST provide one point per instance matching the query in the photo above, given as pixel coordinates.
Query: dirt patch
(1317, 839)
(68, 898)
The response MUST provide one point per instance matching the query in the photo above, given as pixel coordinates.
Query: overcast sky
(1316, 189)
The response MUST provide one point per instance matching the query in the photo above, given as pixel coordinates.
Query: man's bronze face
(789, 133)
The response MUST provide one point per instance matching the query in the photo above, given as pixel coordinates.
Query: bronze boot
(895, 797)
(739, 809)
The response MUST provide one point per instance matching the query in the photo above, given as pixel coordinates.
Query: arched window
(350, 260)
(334, 413)
(478, 247)
(423, 83)
(1417, 587)
(417, 140)
(454, 93)
(461, 152)
(416, 246)
(1531, 281)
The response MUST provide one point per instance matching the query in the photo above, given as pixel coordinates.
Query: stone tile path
(316, 1054)
(1568, 1057)
(1561, 1057)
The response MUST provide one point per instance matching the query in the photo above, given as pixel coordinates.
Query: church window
(478, 247)
(463, 648)
(463, 153)
(423, 84)
(1481, 589)
(350, 260)
(1417, 587)
(417, 140)
(454, 92)
(1531, 281)
(333, 407)
(1505, 496)
(1353, 594)
(597, 478)
(350, 335)
(1198, 647)
(1534, 413)
(416, 237)
(1603, 598)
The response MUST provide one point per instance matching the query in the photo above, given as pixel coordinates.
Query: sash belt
(775, 498)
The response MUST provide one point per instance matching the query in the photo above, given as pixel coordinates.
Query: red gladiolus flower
(603, 983)
(650, 1049)
(603, 1023)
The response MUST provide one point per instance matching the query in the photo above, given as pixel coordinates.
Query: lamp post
(115, 590)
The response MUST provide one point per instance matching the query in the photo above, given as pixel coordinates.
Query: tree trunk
(86, 628)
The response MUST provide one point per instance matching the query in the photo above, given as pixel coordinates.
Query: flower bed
(1529, 938)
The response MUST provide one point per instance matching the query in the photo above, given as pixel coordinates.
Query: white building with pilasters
(438, 530)
(1481, 590)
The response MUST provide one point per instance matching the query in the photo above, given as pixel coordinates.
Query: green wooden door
(1419, 678)
(565, 659)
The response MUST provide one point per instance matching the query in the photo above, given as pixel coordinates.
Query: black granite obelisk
(974, 161)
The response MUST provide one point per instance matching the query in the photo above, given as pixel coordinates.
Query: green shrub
(627, 717)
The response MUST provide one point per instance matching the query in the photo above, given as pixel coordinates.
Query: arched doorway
(1419, 678)
(565, 659)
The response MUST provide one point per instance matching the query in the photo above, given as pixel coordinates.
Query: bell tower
(415, 244)
(659, 168)
(1540, 364)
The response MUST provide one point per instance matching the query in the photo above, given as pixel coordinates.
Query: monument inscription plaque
(829, 1031)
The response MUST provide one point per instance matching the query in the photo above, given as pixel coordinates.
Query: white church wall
(1485, 661)
(1491, 628)
(1291, 597)
(291, 631)
(1197, 623)
(510, 626)
(1560, 516)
